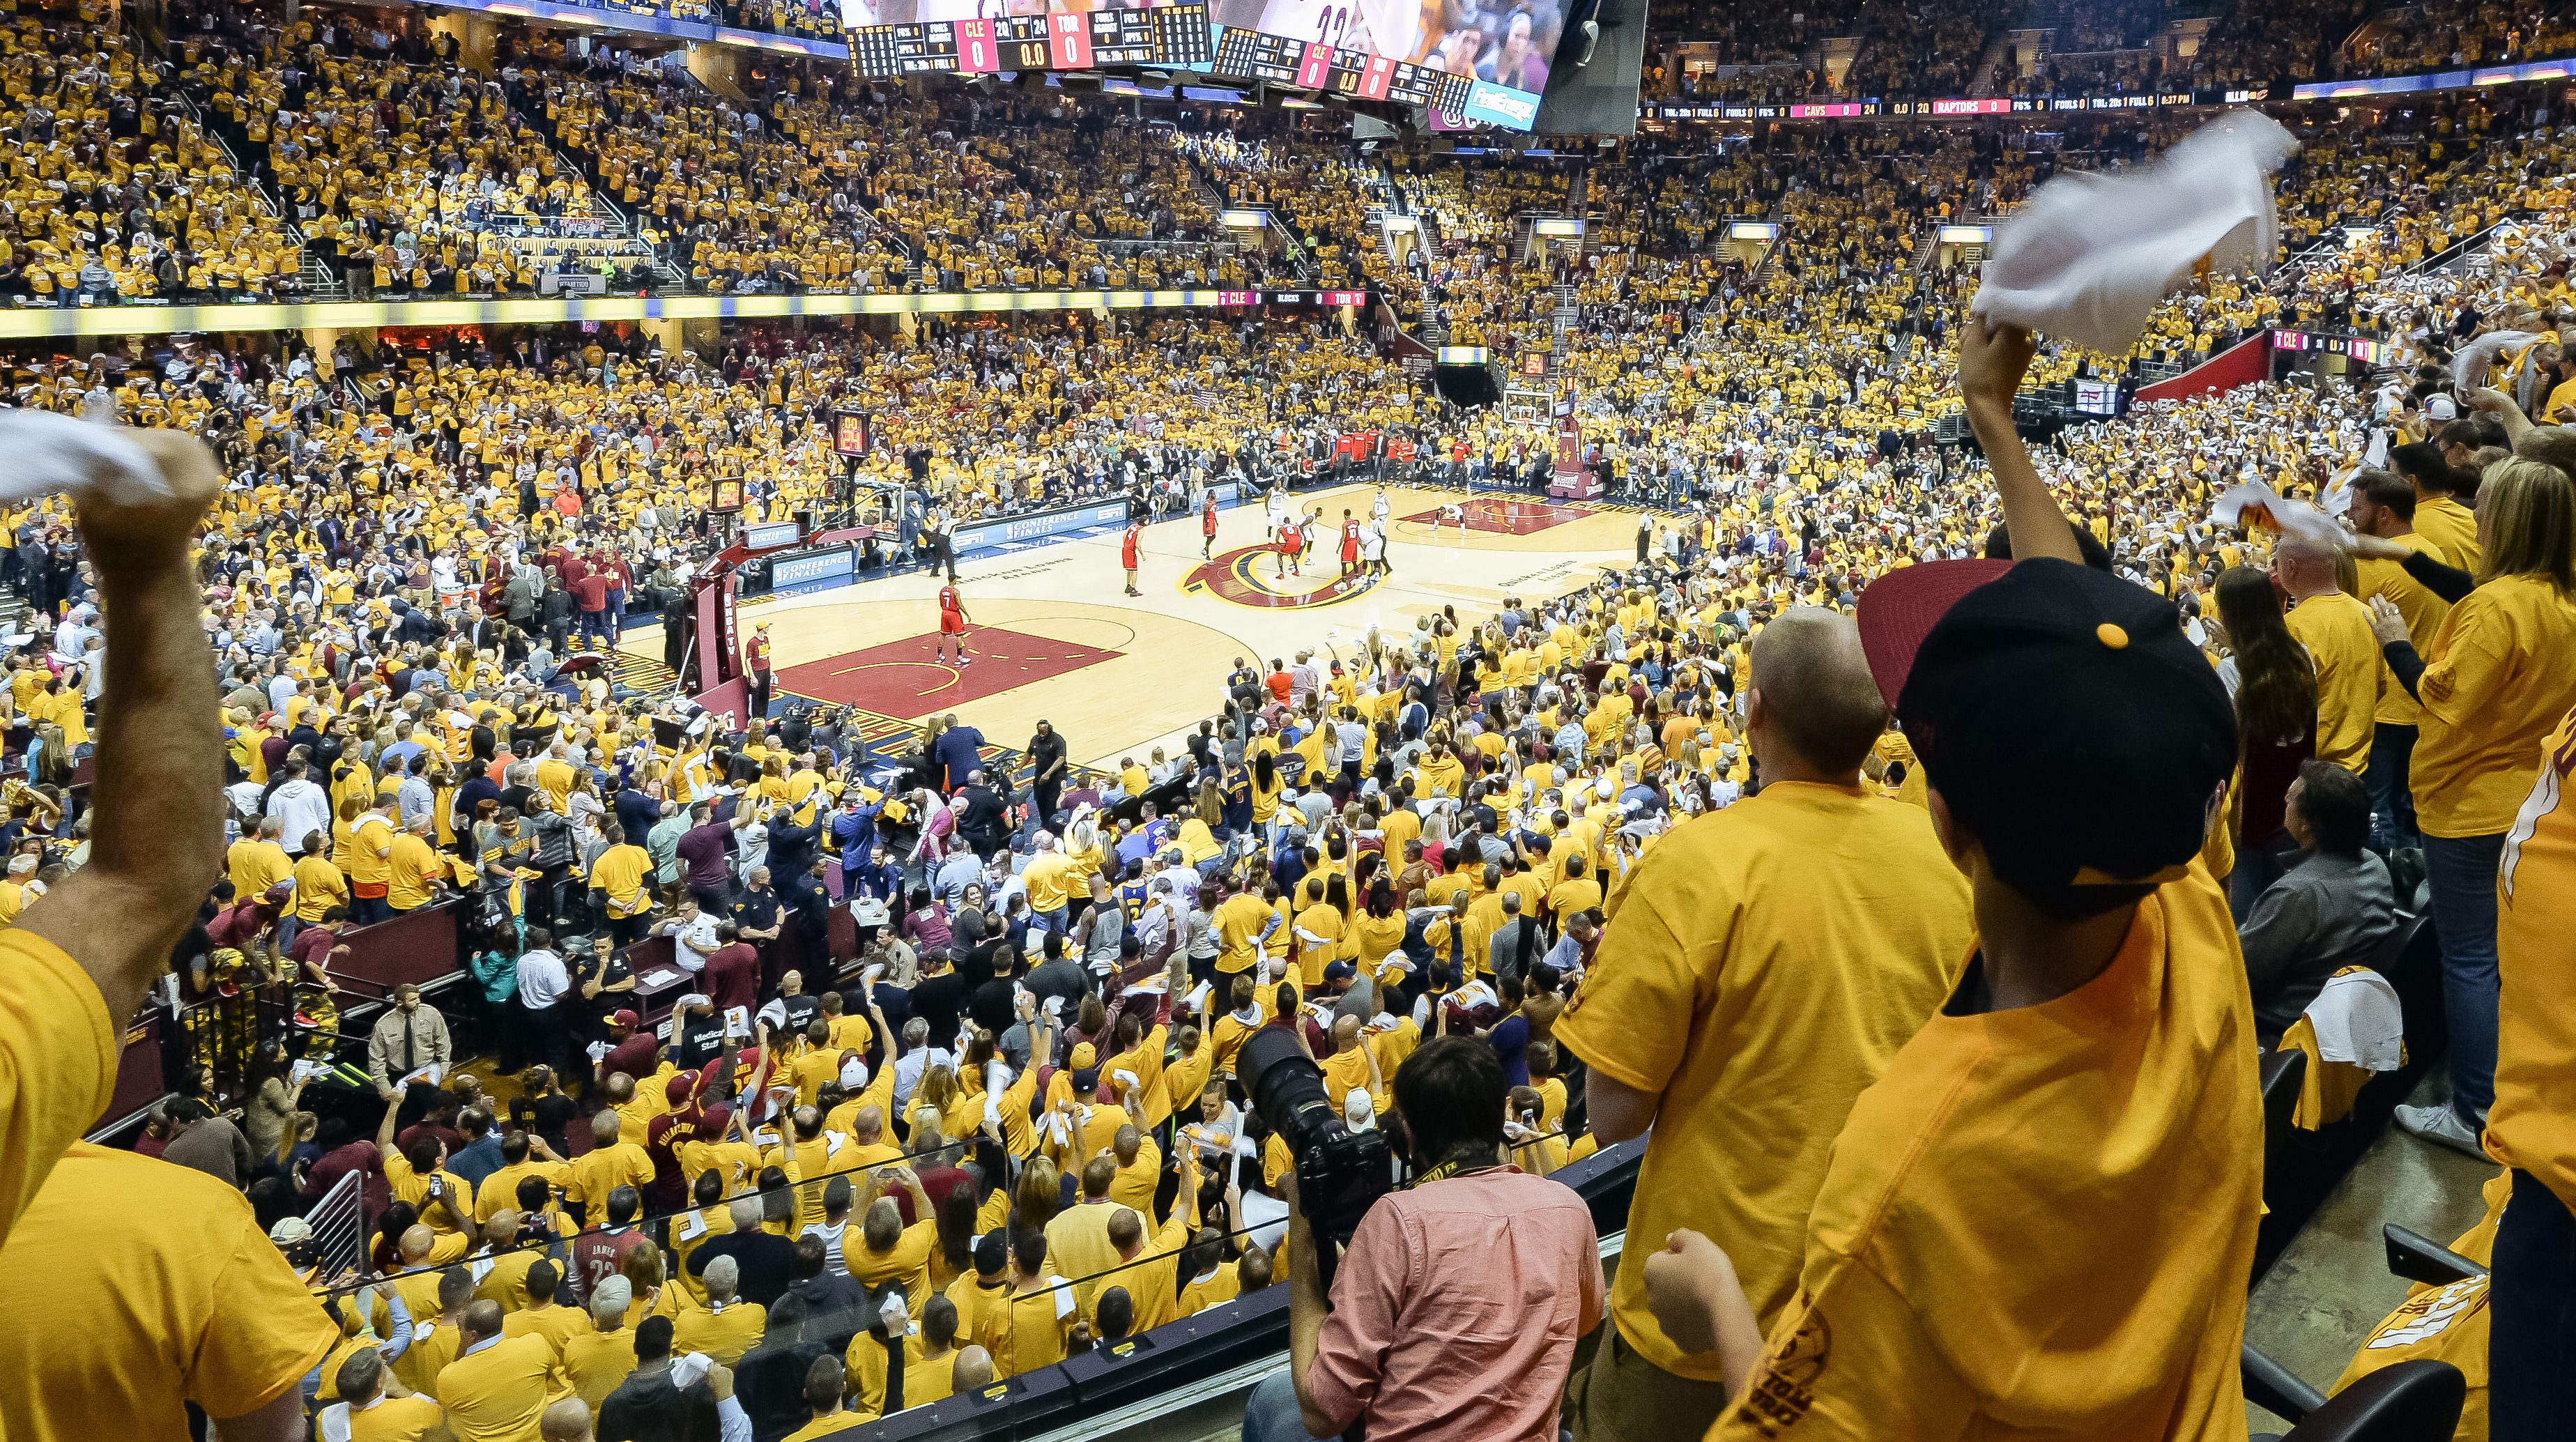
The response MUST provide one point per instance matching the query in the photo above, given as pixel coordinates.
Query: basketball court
(1052, 636)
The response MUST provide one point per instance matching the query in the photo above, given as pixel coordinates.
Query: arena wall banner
(2241, 364)
(90, 322)
(838, 563)
(1041, 526)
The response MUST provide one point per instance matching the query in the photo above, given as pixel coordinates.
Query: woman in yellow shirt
(2494, 682)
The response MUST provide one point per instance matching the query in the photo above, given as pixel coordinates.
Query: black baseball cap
(2067, 722)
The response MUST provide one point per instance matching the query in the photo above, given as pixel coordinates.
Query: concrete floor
(2331, 1286)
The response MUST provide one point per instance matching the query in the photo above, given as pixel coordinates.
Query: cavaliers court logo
(1249, 576)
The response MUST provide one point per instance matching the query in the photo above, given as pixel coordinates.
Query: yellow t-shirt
(319, 886)
(1762, 970)
(413, 873)
(1046, 877)
(906, 1262)
(2422, 609)
(1239, 920)
(2336, 630)
(2500, 674)
(2453, 530)
(253, 866)
(724, 1335)
(396, 1419)
(497, 1394)
(58, 1055)
(621, 872)
(2533, 1123)
(2000, 1244)
(211, 1312)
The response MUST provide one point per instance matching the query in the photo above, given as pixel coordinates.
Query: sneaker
(2442, 1126)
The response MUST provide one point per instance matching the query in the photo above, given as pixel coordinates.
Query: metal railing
(339, 1226)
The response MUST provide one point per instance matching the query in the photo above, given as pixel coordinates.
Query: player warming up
(1207, 527)
(1128, 546)
(952, 625)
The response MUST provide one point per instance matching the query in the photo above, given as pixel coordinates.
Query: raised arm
(157, 837)
(1991, 365)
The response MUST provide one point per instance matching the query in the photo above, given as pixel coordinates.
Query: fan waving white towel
(2090, 256)
(49, 452)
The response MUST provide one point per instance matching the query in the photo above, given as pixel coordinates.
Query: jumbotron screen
(1478, 61)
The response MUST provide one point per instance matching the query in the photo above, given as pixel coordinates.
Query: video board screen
(1480, 61)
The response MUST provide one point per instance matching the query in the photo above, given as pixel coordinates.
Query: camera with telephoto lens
(1339, 1171)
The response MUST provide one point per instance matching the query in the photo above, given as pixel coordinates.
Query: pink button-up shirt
(1456, 1309)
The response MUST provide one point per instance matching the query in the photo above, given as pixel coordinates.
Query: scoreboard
(1175, 35)
(1315, 65)
(1165, 37)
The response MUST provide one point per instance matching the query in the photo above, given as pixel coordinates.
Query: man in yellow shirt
(890, 1253)
(623, 876)
(497, 1387)
(2439, 516)
(608, 1165)
(75, 969)
(413, 870)
(1048, 877)
(206, 1309)
(726, 1327)
(2335, 629)
(2383, 505)
(1760, 972)
(596, 1360)
(2097, 1047)
(257, 862)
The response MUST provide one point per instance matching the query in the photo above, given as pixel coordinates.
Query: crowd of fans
(1007, 1121)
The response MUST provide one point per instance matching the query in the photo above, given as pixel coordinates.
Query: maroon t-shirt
(633, 1056)
(312, 944)
(592, 592)
(733, 976)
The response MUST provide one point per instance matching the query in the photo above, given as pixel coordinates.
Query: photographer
(1410, 1357)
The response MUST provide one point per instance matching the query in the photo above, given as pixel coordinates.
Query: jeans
(2531, 1344)
(2462, 871)
(1271, 1414)
(2392, 805)
(1051, 920)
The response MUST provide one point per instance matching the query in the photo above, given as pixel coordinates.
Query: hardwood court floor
(1118, 675)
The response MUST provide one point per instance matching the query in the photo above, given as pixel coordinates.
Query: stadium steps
(2024, 45)
(313, 279)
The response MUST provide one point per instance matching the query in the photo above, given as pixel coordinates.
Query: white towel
(50, 452)
(2358, 1020)
(2469, 367)
(2257, 507)
(2090, 256)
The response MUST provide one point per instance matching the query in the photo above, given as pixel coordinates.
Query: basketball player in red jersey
(1127, 549)
(1350, 543)
(1207, 527)
(1292, 544)
(952, 626)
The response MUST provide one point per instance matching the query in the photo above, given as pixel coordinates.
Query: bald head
(1126, 1232)
(974, 1369)
(566, 1421)
(1812, 691)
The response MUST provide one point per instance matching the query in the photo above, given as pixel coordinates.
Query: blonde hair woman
(2494, 681)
